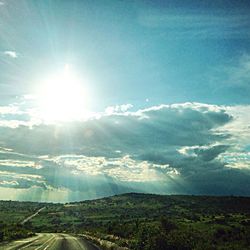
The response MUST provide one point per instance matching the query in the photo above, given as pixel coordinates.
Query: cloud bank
(189, 148)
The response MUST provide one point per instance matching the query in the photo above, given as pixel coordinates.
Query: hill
(140, 221)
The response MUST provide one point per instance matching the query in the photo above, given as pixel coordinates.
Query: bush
(1, 236)
(167, 225)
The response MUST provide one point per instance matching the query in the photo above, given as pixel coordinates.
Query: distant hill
(205, 204)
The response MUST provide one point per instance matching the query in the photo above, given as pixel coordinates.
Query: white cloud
(239, 127)
(22, 180)
(9, 110)
(11, 53)
(20, 176)
(19, 163)
(13, 116)
(187, 151)
(29, 97)
(118, 109)
(123, 169)
(5, 150)
(238, 160)
(192, 150)
(14, 123)
(9, 183)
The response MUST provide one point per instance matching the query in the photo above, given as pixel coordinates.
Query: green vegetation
(142, 221)
(12, 213)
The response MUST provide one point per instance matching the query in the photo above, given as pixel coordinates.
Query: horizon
(99, 99)
(127, 194)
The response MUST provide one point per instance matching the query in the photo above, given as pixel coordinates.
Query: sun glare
(62, 97)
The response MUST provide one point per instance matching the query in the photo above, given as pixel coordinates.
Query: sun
(61, 97)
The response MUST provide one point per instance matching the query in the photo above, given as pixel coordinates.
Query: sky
(105, 97)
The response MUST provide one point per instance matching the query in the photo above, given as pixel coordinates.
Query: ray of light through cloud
(101, 98)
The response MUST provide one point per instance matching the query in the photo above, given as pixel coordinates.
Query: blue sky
(149, 96)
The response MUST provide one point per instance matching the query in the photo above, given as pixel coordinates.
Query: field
(139, 221)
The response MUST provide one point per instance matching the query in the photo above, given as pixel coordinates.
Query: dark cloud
(210, 153)
(164, 149)
(130, 133)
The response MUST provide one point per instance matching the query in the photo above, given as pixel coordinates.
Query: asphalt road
(51, 241)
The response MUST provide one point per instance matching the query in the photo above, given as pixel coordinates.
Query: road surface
(49, 241)
(32, 216)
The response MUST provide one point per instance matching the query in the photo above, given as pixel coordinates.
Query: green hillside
(142, 221)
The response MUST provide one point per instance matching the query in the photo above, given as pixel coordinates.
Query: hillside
(140, 221)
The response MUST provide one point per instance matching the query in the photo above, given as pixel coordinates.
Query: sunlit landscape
(124, 124)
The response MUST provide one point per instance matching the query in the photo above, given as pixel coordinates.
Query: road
(51, 241)
(32, 216)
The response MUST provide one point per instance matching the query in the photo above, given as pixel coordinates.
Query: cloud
(1, 3)
(9, 110)
(8, 183)
(11, 53)
(237, 160)
(121, 168)
(18, 163)
(13, 116)
(13, 123)
(179, 148)
(208, 152)
(130, 132)
(118, 109)
(20, 180)
(239, 127)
